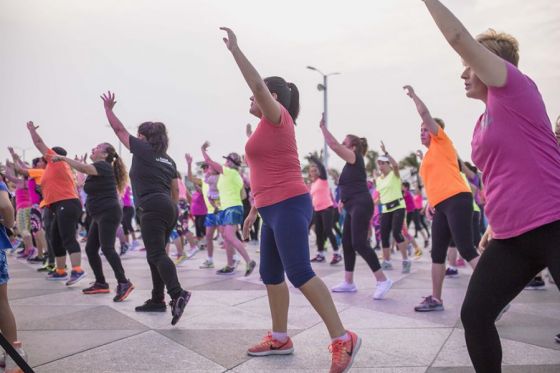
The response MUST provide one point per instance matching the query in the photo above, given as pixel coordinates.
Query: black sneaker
(336, 259)
(178, 306)
(46, 268)
(36, 259)
(227, 270)
(557, 338)
(250, 267)
(536, 284)
(123, 291)
(97, 288)
(318, 258)
(151, 306)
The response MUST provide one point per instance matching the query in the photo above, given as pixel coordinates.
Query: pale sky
(166, 61)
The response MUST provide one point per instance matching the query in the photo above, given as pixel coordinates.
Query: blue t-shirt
(4, 240)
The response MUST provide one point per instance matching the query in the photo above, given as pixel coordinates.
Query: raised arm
(320, 166)
(117, 126)
(189, 159)
(19, 166)
(394, 163)
(489, 68)
(270, 108)
(37, 140)
(10, 174)
(423, 111)
(215, 165)
(84, 168)
(343, 152)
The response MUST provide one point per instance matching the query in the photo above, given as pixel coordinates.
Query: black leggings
(48, 217)
(65, 217)
(127, 216)
(324, 220)
(158, 218)
(501, 274)
(102, 233)
(453, 219)
(255, 229)
(392, 221)
(199, 227)
(359, 211)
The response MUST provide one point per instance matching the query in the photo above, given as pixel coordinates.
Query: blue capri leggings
(284, 241)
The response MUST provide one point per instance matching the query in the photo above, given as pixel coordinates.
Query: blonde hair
(502, 44)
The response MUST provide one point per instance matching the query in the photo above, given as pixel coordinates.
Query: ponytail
(119, 169)
(293, 108)
(287, 94)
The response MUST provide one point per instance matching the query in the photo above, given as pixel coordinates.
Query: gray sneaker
(429, 304)
(386, 266)
(406, 265)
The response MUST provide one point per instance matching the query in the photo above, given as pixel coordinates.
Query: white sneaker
(135, 245)
(192, 252)
(344, 287)
(382, 289)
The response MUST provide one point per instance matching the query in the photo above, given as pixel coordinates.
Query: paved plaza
(65, 331)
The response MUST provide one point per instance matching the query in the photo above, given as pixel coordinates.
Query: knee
(398, 236)
(438, 256)
(300, 274)
(470, 315)
(270, 276)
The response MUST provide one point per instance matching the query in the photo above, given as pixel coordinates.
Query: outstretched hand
(108, 100)
(231, 40)
(409, 91)
(205, 146)
(188, 157)
(31, 126)
(322, 122)
(383, 148)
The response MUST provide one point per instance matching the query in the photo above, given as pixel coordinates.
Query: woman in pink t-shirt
(514, 147)
(282, 200)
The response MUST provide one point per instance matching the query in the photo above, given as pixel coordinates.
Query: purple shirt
(515, 148)
(198, 206)
(127, 197)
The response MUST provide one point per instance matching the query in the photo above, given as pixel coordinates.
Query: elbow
(455, 38)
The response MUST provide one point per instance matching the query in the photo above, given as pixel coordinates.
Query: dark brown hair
(287, 94)
(156, 135)
(440, 122)
(360, 143)
(121, 175)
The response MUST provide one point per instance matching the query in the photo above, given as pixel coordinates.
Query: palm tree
(316, 154)
(411, 161)
(371, 161)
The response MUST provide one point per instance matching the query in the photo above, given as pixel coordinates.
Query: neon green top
(390, 189)
(230, 185)
(474, 205)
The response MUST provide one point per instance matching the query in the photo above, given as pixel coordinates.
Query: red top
(272, 155)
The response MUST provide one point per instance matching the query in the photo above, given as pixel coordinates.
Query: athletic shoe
(123, 291)
(55, 276)
(22, 255)
(429, 304)
(271, 346)
(536, 284)
(192, 252)
(180, 260)
(557, 338)
(336, 259)
(227, 270)
(97, 288)
(409, 249)
(344, 353)
(426, 243)
(124, 248)
(206, 264)
(250, 267)
(36, 259)
(386, 266)
(504, 310)
(344, 287)
(75, 277)
(318, 258)
(178, 306)
(151, 306)
(418, 252)
(406, 266)
(135, 245)
(382, 289)
(451, 272)
(460, 262)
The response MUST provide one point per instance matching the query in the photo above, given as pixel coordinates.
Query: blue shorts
(3, 268)
(231, 216)
(285, 241)
(211, 220)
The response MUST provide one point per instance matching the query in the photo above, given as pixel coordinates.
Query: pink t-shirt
(418, 201)
(272, 155)
(321, 195)
(409, 202)
(515, 148)
(198, 206)
(22, 198)
(127, 197)
(33, 195)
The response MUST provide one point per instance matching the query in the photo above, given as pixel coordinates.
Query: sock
(345, 337)
(280, 336)
(77, 269)
(453, 268)
(210, 259)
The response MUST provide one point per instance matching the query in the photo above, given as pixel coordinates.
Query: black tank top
(353, 179)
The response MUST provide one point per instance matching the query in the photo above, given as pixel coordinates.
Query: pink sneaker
(460, 262)
(344, 353)
(271, 346)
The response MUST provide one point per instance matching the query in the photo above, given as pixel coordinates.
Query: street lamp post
(323, 87)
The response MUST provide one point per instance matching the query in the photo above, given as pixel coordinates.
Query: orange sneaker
(343, 353)
(271, 346)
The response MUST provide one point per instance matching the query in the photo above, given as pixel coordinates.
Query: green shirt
(230, 185)
(390, 189)
(475, 206)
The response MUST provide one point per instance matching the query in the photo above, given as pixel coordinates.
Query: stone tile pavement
(66, 331)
